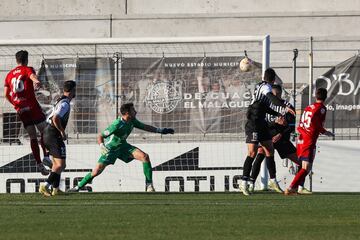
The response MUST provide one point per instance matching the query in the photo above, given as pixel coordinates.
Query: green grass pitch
(180, 216)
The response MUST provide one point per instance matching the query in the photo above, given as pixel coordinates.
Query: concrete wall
(238, 6)
(20, 9)
(23, 8)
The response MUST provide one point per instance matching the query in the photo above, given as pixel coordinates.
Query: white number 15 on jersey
(306, 119)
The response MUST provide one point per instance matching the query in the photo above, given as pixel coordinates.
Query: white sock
(272, 179)
(47, 185)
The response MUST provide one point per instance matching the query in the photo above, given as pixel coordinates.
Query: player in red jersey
(19, 91)
(311, 125)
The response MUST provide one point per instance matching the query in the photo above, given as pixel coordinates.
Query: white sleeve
(265, 89)
(61, 109)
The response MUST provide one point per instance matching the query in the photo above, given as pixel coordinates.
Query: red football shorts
(305, 150)
(32, 116)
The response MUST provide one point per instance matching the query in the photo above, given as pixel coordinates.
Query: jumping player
(19, 91)
(311, 125)
(54, 136)
(256, 128)
(113, 145)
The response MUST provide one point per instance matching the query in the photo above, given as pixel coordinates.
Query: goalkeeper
(114, 146)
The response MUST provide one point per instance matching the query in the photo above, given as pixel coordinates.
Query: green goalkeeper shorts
(124, 153)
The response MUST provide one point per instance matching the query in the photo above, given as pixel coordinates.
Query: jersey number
(306, 119)
(17, 84)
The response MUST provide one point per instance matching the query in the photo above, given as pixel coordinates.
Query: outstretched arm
(153, 129)
(328, 133)
(158, 130)
(35, 80)
(277, 101)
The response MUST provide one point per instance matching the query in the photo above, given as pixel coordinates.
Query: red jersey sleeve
(29, 71)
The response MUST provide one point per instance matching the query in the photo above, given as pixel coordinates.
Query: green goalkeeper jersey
(118, 131)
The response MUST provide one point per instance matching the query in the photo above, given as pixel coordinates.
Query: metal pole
(311, 77)
(296, 52)
(117, 58)
(311, 69)
(333, 120)
(264, 176)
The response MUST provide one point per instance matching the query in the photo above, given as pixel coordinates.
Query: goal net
(193, 85)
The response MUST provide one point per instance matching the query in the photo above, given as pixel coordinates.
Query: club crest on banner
(162, 97)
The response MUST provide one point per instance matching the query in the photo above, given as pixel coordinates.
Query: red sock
(46, 153)
(35, 150)
(299, 177)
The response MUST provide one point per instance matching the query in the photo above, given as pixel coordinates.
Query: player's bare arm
(34, 78)
(57, 122)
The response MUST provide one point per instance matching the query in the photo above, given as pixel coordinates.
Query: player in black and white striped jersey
(256, 128)
(54, 137)
(280, 132)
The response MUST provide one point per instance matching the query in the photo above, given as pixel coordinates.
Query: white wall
(335, 167)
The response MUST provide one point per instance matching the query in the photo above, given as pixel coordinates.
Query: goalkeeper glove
(103, 149)
(165, 130)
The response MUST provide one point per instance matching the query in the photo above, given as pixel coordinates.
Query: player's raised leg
(46, 159)
(31, 130)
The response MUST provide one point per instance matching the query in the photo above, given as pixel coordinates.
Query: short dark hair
(277, 87)
(126, 107)
(321, 94)
(69, 85)
(269, 75)
(22, 56)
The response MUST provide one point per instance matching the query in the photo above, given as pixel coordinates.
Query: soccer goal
(191, 84)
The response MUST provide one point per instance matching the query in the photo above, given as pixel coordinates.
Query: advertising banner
(343, 84)
(193, 95)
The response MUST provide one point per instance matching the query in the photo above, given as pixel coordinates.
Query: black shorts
(284, 148)
(257, 132)
(54, 142)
